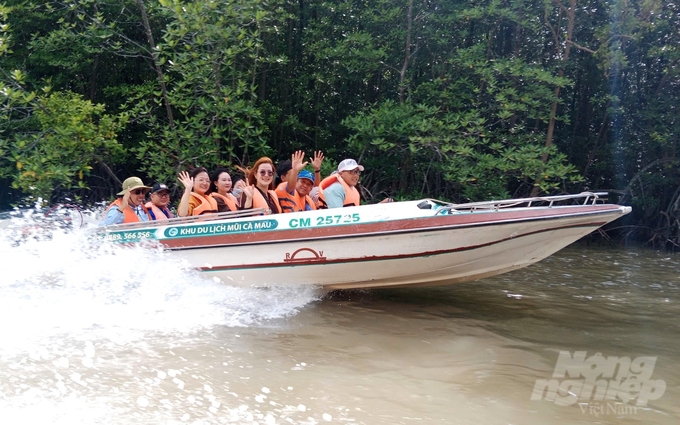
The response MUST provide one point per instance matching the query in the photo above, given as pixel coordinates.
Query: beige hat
(133, 183)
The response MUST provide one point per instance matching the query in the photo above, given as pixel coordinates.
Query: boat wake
(62, 282)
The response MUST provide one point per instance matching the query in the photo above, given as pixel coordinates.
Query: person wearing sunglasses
(158, 205)
(196, 199)
(259, 192)
(129, 205)
(339, 189)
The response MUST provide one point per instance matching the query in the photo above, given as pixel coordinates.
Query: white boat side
(412, 243)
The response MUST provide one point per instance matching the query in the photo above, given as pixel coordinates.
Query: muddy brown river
(107, 335)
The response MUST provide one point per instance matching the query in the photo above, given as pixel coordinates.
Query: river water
(100, 334)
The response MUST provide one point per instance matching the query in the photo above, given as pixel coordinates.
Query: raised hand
(241, 184)
(297, 163)
(318, 159)
(186, 180)
(126, 198)
(249, 190)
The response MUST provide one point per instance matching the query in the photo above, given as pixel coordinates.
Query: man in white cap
(339, 189)
(128, 207)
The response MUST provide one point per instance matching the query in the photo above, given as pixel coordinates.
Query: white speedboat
(413, 243)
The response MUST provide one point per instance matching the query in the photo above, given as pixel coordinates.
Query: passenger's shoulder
(335, 187)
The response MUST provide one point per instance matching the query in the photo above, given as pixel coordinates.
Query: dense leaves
(211, 52)
(56, 151)
(456, 99)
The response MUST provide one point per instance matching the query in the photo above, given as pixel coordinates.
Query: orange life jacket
(129, 215)
(229, 200)
(156, 213)
(352, 197)
(260, 202)
(293, 202)
(207, 204)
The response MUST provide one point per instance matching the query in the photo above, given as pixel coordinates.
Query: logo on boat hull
(302, 255)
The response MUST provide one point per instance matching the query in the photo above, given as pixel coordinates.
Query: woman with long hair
(259, 192)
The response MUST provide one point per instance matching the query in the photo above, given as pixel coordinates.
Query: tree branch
(578, 46)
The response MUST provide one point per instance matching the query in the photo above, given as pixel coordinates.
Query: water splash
(60, 281)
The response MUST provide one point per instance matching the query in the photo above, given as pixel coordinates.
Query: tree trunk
(93, 80)
(407, 51)
(154, 58)
(600, 137)
(571, 13)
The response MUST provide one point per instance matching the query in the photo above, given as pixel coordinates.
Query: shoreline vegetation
(454, 100)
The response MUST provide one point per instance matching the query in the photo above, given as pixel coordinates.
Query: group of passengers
(299, 190)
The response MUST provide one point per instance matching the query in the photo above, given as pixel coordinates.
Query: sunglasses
(356, 171)
(266, 173)
(138, 191)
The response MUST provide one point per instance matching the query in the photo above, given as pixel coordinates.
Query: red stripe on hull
(394, 257)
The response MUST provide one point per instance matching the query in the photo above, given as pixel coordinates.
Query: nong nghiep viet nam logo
(598, 378)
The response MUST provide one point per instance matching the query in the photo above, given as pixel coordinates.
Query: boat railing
(583, 198)
(187, 220)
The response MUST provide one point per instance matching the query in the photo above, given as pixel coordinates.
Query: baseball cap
(304, 174)
(158, 187)
(349, 165)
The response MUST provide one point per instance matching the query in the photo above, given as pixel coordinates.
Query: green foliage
(211, 53)
(477, 160)
(452, 101)
(57, 148)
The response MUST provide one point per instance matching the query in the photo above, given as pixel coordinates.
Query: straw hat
(133, 183)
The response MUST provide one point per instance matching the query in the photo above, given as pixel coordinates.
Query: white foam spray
(63, 281)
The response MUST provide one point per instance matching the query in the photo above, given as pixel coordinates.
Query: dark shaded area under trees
(458, 100)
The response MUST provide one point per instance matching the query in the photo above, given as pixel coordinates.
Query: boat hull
(379, 246)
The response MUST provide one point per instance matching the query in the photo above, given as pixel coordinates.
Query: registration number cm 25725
(325, 220)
